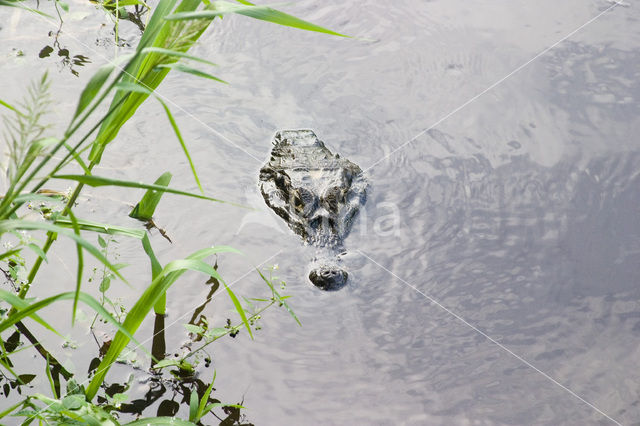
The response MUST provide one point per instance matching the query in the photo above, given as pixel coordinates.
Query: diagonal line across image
(489, 338)
(444, 118)
(493, 86)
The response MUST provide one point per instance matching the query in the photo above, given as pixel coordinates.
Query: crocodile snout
(328, 277)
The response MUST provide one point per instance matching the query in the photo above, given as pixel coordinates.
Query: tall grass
(173, 29)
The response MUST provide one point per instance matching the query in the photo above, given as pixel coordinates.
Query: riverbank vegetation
(33, 219)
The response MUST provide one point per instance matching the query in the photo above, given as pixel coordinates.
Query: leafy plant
(36, 159)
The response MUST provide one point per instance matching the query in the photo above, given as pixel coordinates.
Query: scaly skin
(317, 193)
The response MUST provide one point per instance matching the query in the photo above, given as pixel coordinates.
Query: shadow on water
(66, 59)
(168, 390)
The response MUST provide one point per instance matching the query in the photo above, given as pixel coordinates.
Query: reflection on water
(520, 212)
(66, 59)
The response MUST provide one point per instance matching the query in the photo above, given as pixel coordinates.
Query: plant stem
(231, 329)
(42, 351)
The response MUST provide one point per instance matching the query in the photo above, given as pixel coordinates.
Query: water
(494, 269)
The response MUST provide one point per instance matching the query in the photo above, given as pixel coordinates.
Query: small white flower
(275, 267)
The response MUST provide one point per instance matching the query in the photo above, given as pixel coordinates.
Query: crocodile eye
(332, 198)
(304, 200)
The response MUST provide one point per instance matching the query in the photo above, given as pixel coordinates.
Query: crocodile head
(317, 193)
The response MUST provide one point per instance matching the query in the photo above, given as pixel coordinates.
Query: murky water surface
(495, 269)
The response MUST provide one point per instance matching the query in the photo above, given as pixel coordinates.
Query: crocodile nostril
(328, 278)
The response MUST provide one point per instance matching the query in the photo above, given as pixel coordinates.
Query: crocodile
(318, 194)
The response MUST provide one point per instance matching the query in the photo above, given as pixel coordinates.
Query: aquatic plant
(35, 158)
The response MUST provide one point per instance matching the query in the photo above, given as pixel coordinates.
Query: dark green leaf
(26, 378)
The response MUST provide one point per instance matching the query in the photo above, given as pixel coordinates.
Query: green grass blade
(140, 70)
(96, 181)
(76, 156)
(183, 145)
(9, 225)
(19, 5)
(177, 54)
(217, 8)
(205, 398)
(102, 228)
(160, 307)
(23, 198)
(156, 268)
(5, 104)
(50, 379)
(189, 70)
(10, 253)
(4, 363)
(169, 274)
(19, 303)
(132, 87)
(193, 406)
(281, 18)
(92, 88)
(10, 409)
(220, 404)
(145, 209)
(76, 230)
